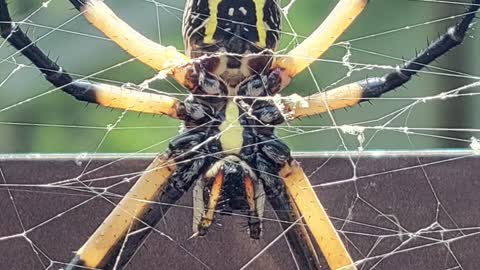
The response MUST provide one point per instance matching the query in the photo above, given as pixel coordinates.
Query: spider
(228, 150)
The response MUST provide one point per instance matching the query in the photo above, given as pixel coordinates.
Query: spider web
(397, 177)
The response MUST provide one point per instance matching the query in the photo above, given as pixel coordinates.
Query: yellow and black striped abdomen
(232, 26)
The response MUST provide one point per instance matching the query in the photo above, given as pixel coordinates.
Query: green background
(55, 122)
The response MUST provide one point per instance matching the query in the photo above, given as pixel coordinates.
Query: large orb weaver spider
(229, 119)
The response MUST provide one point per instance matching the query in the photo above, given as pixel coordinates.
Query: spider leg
(145, 50)
(255, 203)
(83, 90)
(292, 197)
(316, 218)
(286, 211)
(357, 92)
(320, 40)
(162, 184)
(133, 211)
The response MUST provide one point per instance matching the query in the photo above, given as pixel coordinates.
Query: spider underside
(228, 150)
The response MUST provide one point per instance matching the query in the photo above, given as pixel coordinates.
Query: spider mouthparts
(229, 188)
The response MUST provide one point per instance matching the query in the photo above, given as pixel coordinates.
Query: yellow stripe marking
(231, 130)
(261, 30)
(212, 23)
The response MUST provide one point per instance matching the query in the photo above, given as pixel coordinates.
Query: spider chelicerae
(228, 151)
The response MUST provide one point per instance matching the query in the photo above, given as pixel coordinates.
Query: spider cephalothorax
(228, 149)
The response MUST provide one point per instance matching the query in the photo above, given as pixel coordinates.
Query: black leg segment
(271, 157)
(84, 90)
(375, 87)
(53, 72)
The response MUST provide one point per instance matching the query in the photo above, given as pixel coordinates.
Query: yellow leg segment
(132, 100)
(145, 50)
(303, 232)
(322, 38)
(342, 97)
(315, 216)
(111, 233)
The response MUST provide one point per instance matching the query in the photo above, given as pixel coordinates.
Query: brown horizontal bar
(394, 213)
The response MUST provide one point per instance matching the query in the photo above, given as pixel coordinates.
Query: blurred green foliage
(32, 119)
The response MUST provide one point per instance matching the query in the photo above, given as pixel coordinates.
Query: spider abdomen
(239, 37)
(237, 26)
